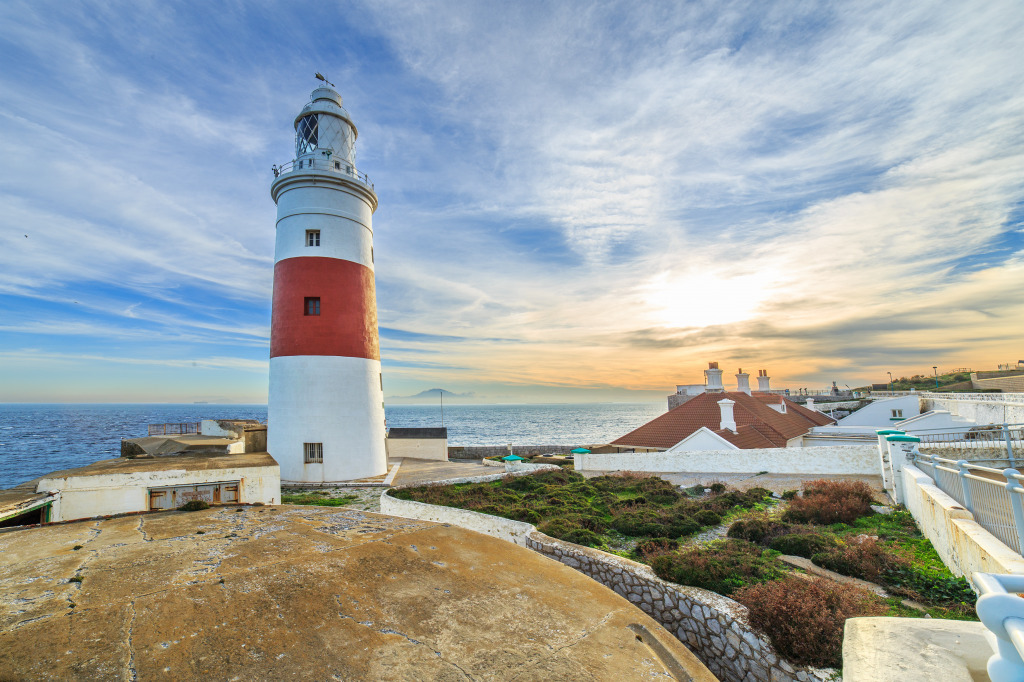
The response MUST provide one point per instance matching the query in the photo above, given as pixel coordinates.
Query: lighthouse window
(306, 134)
(312, 305)
(312, 237)
(314, 452)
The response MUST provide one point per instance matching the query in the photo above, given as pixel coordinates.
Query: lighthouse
(325, 413)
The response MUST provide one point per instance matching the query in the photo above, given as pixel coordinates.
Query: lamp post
(935, 368)
(890, 381)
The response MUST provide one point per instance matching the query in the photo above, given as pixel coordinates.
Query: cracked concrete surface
(307, 593)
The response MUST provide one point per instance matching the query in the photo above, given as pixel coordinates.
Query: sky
(578, 201)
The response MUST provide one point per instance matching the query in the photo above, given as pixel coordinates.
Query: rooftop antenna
(321, 77)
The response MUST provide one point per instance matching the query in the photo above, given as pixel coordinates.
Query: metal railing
(174, 429)
(994, 496)
(327, 165)
(1002, 443)
(1002, 612)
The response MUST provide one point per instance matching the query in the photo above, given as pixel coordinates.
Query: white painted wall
(84, 497)
(332, 400)
(843, 459)
(495, 526)
(961, 542)
(341, 236)
(983, 409)
(418, 448)
(934, 419)
(702, 439)
(879, 413)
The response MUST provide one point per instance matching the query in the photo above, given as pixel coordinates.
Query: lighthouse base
(328, 408)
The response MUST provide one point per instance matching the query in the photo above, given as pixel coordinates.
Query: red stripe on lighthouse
(347, 323)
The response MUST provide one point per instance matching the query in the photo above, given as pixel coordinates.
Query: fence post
(1009, 445)
(1013, 487)
(962, 472)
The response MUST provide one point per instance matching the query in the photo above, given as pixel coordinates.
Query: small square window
(312, 237)
(337, 165)
(312, 305)
(313, 452)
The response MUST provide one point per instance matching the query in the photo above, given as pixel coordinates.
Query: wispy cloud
(573, 196)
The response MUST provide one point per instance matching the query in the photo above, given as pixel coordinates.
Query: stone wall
(829, 459)
(714, 627)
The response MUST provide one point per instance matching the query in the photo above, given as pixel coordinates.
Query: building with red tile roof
(730, 419)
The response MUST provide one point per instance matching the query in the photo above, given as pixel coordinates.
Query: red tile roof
(757, 424)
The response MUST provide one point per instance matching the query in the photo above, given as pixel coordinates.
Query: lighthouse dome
(324, 128)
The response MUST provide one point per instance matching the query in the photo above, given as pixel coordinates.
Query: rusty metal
(172, 497)
(181, 429)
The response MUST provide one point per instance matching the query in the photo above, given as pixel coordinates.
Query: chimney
(810, 404)
(743, 382)
(762, 381)
(713, 378)
(728, 420)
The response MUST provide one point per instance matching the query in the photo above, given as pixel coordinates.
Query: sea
(36, 439)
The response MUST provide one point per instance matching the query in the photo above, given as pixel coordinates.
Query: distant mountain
(432, 393)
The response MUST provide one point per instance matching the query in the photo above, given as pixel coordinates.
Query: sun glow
(703, 299)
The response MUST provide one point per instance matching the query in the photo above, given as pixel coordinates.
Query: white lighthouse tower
(326, 412)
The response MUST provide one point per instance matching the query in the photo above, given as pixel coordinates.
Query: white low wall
(837, 459)
(495, 526)
(961, 542)
(85, 497)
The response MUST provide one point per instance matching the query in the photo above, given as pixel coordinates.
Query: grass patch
(613, 513)
(319, 499)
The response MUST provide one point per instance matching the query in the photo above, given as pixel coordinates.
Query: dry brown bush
(804, 619)
(825, 502)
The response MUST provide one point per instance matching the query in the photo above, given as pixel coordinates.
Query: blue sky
(578, 201)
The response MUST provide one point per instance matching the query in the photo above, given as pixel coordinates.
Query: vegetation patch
(723, 566)
(194, 505)
(617, 513)
(804, 618)
(319, 499)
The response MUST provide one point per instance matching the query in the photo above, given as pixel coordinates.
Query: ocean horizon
(37, 438)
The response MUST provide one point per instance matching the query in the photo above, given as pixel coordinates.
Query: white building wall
(983, 408)
(702, 439)
(310, 396)
(879, 413)
(844, 459)
(342, 238)
(418, 448)
(84, 497)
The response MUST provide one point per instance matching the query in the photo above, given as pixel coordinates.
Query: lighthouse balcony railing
(327, 165)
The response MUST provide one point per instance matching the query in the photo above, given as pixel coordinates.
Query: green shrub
(721, 566)
(640, 523)
(867, 559)
(803, 544)
(788, 494)
(648, 549)
(929, 586)
(757, 528)
(826, 502)
(706, 517)
(717, 488)
(194, 505)
(570, 531)
(804, 619)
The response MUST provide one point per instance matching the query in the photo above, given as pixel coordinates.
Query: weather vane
(321, 77)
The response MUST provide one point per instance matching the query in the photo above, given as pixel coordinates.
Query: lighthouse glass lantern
(325, 408)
